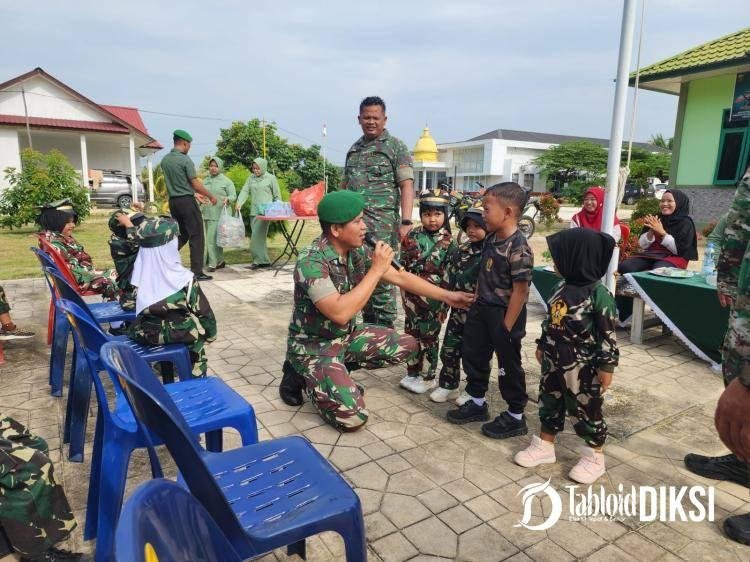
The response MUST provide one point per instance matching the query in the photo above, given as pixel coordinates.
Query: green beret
(184, 135)
(340, 207)
(159, 231)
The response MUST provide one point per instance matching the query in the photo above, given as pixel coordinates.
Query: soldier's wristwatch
(406, 222)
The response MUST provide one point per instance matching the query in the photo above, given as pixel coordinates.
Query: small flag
(325, 130)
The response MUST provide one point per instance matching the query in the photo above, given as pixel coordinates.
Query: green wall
(701, 128)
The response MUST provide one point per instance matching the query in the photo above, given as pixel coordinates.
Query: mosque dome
(426, 148)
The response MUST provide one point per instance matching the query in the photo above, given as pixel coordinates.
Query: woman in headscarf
(262, 188)
(669, 239)
(223, 189)
(170, 305)
(58, 220)
(590, 215)
(577, 351)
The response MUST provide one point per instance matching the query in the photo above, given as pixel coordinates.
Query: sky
(462, 67)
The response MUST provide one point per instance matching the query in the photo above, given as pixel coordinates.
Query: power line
(180, 115)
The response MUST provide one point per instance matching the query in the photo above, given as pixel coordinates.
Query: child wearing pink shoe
(577, 351)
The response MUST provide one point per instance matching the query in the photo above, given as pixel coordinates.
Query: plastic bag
(231, 230)
(305, 202)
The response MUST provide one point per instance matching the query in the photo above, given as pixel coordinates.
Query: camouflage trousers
(101, 282)
(735, 353)
(34, 512)
(153, 331)
(329, 385)
(4, 306)
(423, 319)
(577, 392)
(450, 352)
(380, 310)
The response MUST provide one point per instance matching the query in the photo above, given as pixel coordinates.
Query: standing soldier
(733, 409)
(224, 191)
(182, 185)
(379, 166)
(331, 285)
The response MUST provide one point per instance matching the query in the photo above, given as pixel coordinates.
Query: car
(115, 189)
(659, 189)
(632, 193)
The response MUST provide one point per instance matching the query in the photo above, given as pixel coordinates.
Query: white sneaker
(538, 452)
(589, 468)
(423, 385)
(408, 381)
(463, 398)
(443, 394)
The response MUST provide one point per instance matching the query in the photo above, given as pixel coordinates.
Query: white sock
(517, 417)
(478, 401)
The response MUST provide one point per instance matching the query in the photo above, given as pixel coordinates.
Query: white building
(54, 116)
(496, 156)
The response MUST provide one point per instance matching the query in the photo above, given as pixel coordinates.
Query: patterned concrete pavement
(431, 490)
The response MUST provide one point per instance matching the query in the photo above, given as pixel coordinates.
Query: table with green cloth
(689, 307)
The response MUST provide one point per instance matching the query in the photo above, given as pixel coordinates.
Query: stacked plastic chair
(264, 496)
(208, 405)
(162, 522)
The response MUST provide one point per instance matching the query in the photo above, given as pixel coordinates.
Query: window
(469, 160)
(514, 178)
(528, 181)
(734, 151)
(470, 183)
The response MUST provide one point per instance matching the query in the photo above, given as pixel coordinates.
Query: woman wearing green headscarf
(223, 189)
(262, 188)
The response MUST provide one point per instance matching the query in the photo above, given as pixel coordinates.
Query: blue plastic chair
(162, 518)
(208, 404)
(79, 394)
(264, 496)
(104, 312)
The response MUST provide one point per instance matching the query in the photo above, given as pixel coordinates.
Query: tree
(658, 140)
(573, 160)
(644, 165)
(300, 167)
(43, 178)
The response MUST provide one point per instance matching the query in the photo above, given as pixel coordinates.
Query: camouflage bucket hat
(157, 232)
(115, 226)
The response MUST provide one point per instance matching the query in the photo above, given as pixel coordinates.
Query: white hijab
(158, 273)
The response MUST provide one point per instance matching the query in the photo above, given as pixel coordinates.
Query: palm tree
(658, 140)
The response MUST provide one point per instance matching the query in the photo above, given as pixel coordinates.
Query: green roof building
(712, 131)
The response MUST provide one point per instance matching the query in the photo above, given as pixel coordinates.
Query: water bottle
(709, 263)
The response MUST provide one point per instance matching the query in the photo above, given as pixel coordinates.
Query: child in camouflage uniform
(170, 305)
(123, 246)
(34, 513)
(577, 351)
(460, 275)
(425, 252)
(58, 219)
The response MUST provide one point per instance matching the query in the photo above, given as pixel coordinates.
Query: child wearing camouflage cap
(170, 305)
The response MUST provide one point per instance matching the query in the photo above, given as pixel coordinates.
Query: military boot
(292, 385)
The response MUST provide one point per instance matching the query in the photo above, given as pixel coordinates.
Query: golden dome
(426, 148)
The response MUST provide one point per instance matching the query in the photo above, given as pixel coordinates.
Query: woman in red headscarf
(590, 215)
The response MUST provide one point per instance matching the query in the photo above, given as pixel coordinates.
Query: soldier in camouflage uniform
(170, 305)
(8, 330)
(460, 275)
(34, 513)
(577, 350)
(331, 285)
(425, 252)
(379, 166)
(733, 286)
(123, 245)
(58, 219)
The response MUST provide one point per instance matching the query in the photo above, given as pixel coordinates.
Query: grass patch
(18, 262)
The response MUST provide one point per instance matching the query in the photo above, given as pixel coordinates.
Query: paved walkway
(431, 490)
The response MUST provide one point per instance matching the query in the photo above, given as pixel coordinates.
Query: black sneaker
(221, 265)
(727, 467)
(203, 277)
(737, 528)
(14, 333)
(504, 426)
(469, 412)
(292, 385)
(54, 555)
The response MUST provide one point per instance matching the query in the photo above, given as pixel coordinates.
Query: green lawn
(18, 262)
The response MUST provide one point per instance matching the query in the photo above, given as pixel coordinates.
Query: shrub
(549, 208)
(239, 173)
(628, 245)
(573, 192)
(43, 178)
